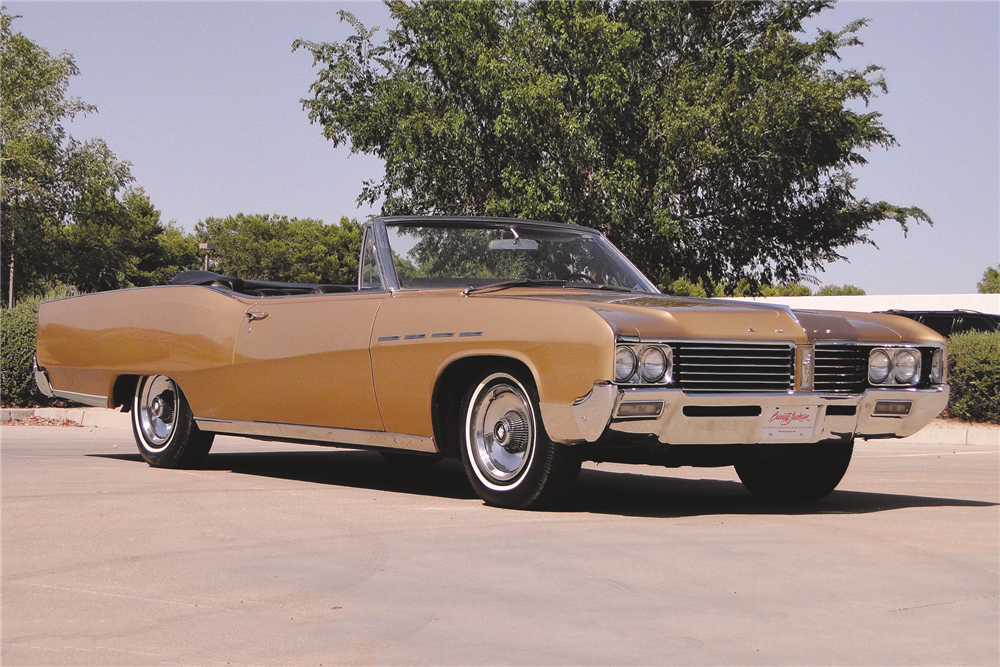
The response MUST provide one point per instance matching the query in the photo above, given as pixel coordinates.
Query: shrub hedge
(18, 329)
(974, 376)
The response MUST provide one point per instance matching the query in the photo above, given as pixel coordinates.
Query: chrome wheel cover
(501, 431)
(157, 406)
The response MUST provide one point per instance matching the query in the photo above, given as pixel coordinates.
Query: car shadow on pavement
(596, 492)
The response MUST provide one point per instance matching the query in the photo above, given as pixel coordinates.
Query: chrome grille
(733, 367)
(841, 368)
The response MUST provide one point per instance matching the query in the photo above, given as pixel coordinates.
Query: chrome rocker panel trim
(86, 399)
(319, 434)
(592, 417)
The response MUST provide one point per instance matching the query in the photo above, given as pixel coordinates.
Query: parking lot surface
(293, 555)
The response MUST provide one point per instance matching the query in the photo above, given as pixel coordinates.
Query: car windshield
(480, 254)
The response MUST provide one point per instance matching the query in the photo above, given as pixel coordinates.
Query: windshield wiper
(507, 284)
(610, 288)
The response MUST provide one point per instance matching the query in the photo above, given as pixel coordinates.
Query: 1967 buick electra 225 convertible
(522, 348)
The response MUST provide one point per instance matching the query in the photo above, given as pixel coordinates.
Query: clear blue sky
(203, 100)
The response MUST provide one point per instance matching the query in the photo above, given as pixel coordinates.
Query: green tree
(990, 284)
(273, 247)
(792, 289)
(69, 214)
(122, 243)
(704, 138)
(840, 290)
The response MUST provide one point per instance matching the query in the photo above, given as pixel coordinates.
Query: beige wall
(984, 303)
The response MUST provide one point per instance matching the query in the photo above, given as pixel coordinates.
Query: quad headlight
(894, 366)
(624, 364)
(643, 364)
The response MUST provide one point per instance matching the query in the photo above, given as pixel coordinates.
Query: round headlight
(652, 364)
(624, 364)
(906, 366)
(878, 366)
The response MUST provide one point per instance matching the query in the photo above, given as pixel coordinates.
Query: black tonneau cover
(254, 287)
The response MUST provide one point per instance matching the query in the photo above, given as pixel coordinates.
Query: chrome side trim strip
(86, 399)
(320, 434)
(41, 378)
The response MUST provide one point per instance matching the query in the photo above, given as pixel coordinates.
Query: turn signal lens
(624, 364)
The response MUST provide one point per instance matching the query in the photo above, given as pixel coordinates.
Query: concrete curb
(975, 435)
(100, 417)
(980, 436)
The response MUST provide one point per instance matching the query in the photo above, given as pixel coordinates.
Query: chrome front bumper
(707, 419)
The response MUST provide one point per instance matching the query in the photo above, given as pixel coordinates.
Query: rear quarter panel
(186, 332)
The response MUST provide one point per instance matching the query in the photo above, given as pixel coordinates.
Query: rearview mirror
(513, 244)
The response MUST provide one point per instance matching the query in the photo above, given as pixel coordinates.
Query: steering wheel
(583, 276)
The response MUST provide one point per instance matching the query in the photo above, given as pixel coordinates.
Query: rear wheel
(809, 473)
(164, 426)
(507, 455)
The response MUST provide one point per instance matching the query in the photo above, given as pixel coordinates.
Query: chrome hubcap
(157, 406)
(501, 432)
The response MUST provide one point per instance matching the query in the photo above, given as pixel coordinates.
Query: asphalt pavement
(278, 554)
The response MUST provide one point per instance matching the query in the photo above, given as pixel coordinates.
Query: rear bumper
(44, 386)
(677, 418)
(41, 378)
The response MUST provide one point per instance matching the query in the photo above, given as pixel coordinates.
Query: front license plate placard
(788, 423)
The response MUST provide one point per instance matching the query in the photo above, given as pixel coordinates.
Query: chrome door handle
(255, 315)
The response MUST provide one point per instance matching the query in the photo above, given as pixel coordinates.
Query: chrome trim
(41, 378)
(370, 236)
(673, 427)
(383, 255)
(584, 420)
(633, 340)
(86, 399)
(319, 434)
(591, 416)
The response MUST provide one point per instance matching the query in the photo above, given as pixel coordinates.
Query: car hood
(653, 316)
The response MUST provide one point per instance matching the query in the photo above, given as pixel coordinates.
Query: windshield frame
(390, 280)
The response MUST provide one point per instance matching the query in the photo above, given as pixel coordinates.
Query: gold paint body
(332, 360)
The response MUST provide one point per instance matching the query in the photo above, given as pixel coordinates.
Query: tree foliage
(840, 290)
(707, 139)
(69, 213)
(273, 247)
(990, 284)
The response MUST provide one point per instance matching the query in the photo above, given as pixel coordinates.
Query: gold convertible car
(522, 348)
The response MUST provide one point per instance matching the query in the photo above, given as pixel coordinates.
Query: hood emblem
(779, 331)
(751, 330)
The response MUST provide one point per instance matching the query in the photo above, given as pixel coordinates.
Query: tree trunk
(10, 286)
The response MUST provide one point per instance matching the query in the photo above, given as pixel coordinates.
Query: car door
(304, 360)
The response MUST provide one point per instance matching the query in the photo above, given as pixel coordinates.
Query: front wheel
(809, 473)
(507, 455)
(164, 426)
